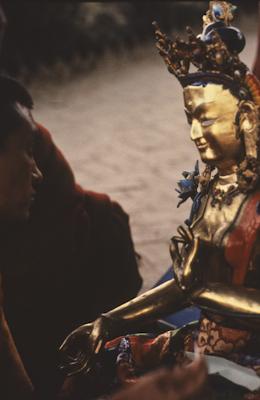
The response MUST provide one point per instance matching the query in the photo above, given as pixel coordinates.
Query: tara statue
(216, 253)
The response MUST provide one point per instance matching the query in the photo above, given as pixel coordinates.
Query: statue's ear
(249, 126)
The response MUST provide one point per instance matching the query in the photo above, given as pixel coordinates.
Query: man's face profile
(18, 170)
(211, 110)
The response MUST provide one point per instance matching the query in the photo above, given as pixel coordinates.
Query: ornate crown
(214, 53)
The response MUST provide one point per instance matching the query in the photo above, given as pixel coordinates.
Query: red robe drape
(72, 260)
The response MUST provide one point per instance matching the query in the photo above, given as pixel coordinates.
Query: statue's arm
(237, 302)
(162, 300)
(80, 348)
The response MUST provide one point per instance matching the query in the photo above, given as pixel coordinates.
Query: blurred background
(44, 34)
(104, 93)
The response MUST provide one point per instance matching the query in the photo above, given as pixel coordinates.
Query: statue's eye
(207, 122)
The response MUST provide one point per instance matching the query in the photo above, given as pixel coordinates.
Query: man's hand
(80, 349)
(180, 383)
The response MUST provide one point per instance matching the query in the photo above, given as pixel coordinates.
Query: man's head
(19, 173)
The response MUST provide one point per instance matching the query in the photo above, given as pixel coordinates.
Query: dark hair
(11, 92)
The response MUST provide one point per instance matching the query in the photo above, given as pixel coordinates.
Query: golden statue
(216, 256)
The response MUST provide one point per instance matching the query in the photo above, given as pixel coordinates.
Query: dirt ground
(124, 131)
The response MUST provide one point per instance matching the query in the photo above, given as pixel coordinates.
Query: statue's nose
(196, 130)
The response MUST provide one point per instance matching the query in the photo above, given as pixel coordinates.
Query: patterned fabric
(139, 353)
(238, 345)
(214, 338)
(131, 356)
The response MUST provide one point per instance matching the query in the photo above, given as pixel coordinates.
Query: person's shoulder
(102, 203)
(43, 131)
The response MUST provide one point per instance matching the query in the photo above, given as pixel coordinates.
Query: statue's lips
(202, 146)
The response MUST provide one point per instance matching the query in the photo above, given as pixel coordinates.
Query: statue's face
(211, 110)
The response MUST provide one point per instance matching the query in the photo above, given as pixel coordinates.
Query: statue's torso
(215, 227)
(213, 223)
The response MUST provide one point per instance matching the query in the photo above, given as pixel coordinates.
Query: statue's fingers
(75, 367)
(183, 233)
(190, 233)
(64, 346)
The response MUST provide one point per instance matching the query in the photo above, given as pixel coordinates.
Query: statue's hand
(185, 260)
(189, 276)
(81, 347)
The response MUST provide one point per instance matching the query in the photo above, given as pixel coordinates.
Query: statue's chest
(213, 222)
(231, 237)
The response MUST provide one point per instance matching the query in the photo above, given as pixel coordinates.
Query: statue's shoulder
(242, 238)
(252, 205)
(248, 217)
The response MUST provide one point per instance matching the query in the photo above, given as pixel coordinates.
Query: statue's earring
(248, 128)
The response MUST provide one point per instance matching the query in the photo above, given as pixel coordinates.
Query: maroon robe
(73, 260)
